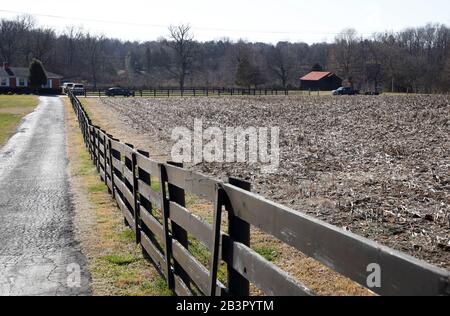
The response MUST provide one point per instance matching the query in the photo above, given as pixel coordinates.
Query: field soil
(376, 166)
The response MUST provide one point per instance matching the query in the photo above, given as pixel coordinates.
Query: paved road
(38, 252)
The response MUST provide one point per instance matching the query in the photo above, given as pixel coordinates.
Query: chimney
(5, 65)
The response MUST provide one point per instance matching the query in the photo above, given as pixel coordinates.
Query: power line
(200, 28)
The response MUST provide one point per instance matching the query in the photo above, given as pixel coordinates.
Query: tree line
(414, 59)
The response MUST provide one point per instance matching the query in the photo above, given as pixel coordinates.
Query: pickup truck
(66, 86)
(78, 89)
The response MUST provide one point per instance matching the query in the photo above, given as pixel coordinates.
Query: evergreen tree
(317, 67)
(248, 74)
(37, 76)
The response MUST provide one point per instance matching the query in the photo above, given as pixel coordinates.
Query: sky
(252, 20)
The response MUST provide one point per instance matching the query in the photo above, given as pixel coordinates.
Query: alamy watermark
(250, 145)
(73, 275)
(374, 277)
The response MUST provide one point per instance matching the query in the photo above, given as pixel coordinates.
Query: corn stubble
(377, 166)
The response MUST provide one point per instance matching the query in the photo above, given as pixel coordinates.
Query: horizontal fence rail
(191, 92)
(151, 197)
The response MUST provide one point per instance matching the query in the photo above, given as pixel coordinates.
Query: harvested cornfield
(377, 166)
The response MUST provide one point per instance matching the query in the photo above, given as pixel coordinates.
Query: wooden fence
(191, 92)
(151, 196)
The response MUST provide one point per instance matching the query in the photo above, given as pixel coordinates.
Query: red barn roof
(316, 75)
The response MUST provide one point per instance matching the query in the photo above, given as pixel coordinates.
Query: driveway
(39, 254)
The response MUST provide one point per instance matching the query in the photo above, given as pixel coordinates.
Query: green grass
(18, 101)
(121, 260)
(269, 253)
(8, 122)
(97, 187)
(12, 110)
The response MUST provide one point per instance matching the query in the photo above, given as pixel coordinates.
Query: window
(21, 82)
(4, 82)
(48, 84)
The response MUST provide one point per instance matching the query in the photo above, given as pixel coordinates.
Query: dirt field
(377, 166)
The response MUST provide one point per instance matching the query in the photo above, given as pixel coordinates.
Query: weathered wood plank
(128, 175)
(101, 148)
(193, 224)
(117, 146)
(192, 182)
(266, 276)
(128, 195)
(149, 194)
(148, 165)
(126, 213)
(109, 183)
(108, 170)
(117, 164)
(155, 227)
(196, 271)
(156, 256)
(342, 251)
(118, 183)
(180, 287)
(127, 151)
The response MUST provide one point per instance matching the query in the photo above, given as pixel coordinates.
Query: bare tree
(70, 42)
(345, 52)
(41, 43)
(93, 52)
(12, 36)
(181, 41)
(281, 61)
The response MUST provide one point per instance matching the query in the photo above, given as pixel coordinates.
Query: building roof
(4, 73)
(316, 75)
(24, 73)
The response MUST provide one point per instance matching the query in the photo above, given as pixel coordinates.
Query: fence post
(239, 231)
(97, 149)
(138, 202)
(165, 215)
(137, 217)
(111, 167)
(218, 203)
(104, 158)
(177, 195)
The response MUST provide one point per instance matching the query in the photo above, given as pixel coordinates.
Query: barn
(320, 80)
(17, 77)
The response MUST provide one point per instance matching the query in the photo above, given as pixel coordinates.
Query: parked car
(116, 91)
(345, 91)
(66, 86)
(78, 89)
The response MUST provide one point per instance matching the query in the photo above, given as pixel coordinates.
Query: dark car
(345, 91)
(112, 92)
